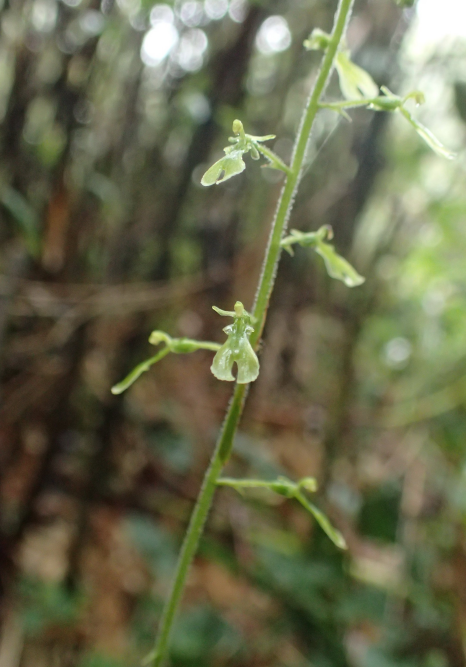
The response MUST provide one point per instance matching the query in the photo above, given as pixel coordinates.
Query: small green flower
(391, 102)
(355, 82)
(232, 163)
(337, 266)
(236, 349)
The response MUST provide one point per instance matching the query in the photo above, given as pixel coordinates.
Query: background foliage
(110, 114)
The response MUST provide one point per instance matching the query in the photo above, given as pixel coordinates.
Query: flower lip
(237, 349)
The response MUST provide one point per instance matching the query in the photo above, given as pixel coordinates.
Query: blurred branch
(71, 305)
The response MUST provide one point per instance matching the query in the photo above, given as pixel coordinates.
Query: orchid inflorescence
(238, 352)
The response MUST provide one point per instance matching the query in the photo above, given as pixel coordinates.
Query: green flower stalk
(224, 445)
(243, 335)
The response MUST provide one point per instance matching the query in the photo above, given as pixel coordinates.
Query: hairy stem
(272, 256)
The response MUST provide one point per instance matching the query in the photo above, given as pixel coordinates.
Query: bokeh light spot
(161, 13)
(158, 43)
(274, 35)
(216, 9)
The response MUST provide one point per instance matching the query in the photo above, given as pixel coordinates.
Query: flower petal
(233, 164)
(248, 363)
(223, 363)
(213, 173)
(430, 138)
(225, 168)
(337, 266)
(355, 82)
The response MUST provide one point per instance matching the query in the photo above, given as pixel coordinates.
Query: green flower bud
(308, 484)
(237, 127)
(239, 309)
(157, 337)
(318, 40)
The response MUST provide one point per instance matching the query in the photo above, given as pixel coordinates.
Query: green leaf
(337, 266)
(430, 139)
(331, 532)
(228, 166)
(355, 82)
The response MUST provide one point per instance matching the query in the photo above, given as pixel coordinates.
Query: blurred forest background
(110, 112)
